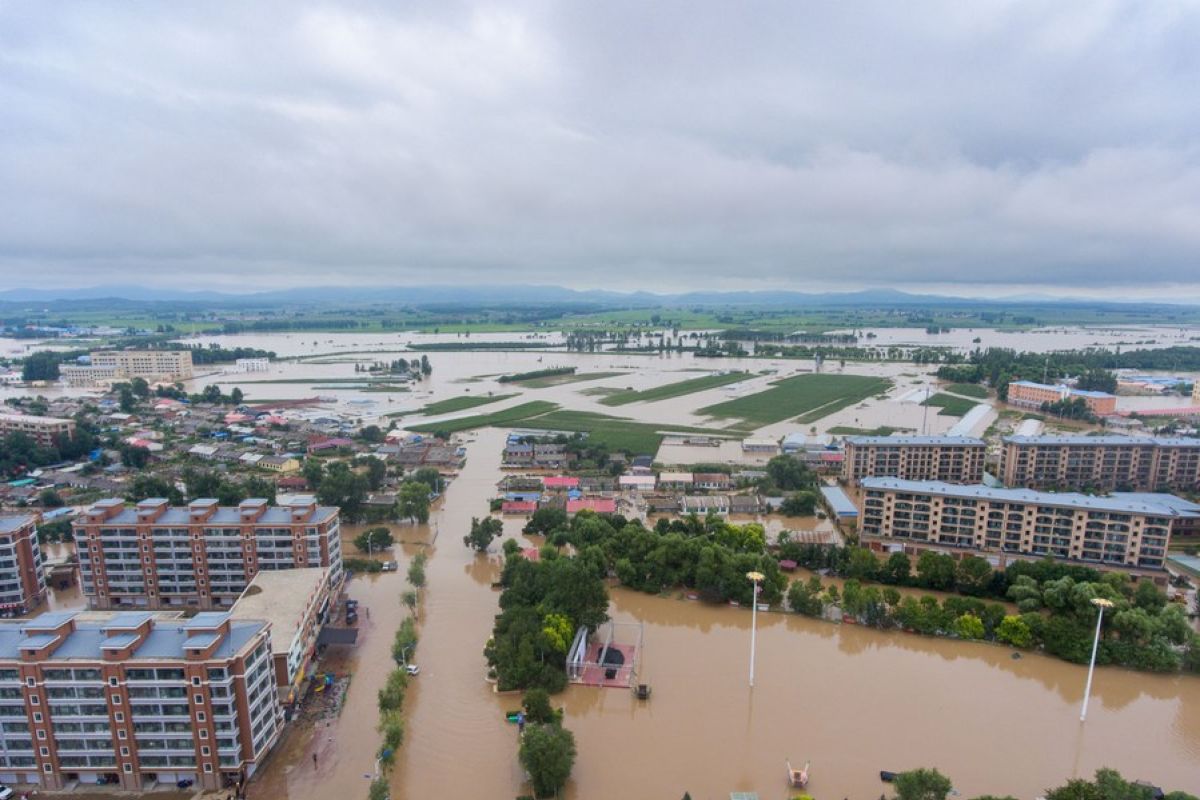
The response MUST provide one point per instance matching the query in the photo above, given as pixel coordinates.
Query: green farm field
(808, 397)
(677, 389)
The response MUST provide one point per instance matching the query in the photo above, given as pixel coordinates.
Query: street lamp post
(756, 579)
(1101, 604)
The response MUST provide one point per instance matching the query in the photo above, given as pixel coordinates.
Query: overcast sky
(627, 145)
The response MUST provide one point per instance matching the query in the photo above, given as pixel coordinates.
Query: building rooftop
(1160, 441)
(280, 597)
(225, 515)
(839, 501)
(4, 417)
(166, 640)
(943, 441)
(1166, 505)
(14, 524)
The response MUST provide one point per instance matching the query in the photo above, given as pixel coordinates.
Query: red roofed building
(601, 505)
(560, 482)
(518, 507)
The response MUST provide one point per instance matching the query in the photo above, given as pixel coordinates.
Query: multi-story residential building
(201, 555)
(1032, 395)
(22, 579)
(110, 365)
(1103, 463)
(132, 699)
(1130, 530)
(46, 431)
(297, 603)
(954, 459)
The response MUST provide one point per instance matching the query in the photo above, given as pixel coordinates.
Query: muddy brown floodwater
(850, 700)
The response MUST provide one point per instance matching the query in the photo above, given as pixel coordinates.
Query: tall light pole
(1100, 603)
(756, 579)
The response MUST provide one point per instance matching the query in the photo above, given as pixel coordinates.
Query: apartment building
(954, 459)
(296, 602)
(46, 431)
(1103, 463)
(1032, 395)
(1124, 530)
(132, 699)
(112, 365)
(22, 579)
(201, 555)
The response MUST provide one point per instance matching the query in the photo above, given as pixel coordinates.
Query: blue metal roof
(839, 501)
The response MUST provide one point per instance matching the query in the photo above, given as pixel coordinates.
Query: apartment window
(208, 767)
(30, 682)
(119, 717)
(195, 680)
(34, 700)
(125, 752)
(41, 735)
(37, 716)
(47, 768)
(127, 768)
(200, 717)
(204, 733)
(112, 681)
(116, 698)
(45, 751)
(205, 751)
(121, 734)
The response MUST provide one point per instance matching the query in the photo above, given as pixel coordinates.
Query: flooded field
(851, 700)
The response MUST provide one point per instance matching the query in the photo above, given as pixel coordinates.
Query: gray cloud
(621, 145)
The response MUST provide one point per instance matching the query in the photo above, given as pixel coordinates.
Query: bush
(391, 696)
(362, 565)
(537, 707)
(391, 725)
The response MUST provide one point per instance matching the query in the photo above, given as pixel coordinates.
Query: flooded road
(850, 700)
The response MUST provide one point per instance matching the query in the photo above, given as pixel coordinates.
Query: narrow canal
(851, 701)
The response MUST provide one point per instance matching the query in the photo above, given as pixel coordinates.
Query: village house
(711, 481)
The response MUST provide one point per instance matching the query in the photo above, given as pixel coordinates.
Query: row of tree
(930, 784)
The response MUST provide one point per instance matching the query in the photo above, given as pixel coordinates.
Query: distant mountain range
(517, 295)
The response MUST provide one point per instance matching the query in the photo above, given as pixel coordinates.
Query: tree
(409, 598)
(483, 531)
(413, 501)
(379, 789)
(140, 388)
(430, 477)
(923, 784)
(145, 486)
(789, 474)
(374, 540)
(799, 504)
(972, 576)
(50, 499)
(548, 754)
(376, 471)
(426, 367)
(537, 707)
(935, 571)
(127, 401)
(40, 366)
(896, 569)
(236, 396)
(545, 521)
(416, 571)
(134, 457)
(372, 434)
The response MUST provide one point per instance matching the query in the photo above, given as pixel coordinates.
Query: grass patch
(806, 395)
(499, 418)
(615, 432)
(949, 405)
(678, 389)
(601, 391)
(460, 404)
(882, 430)
(558, 380)
(968, 390)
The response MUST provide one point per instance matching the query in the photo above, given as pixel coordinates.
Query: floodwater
(850, 700)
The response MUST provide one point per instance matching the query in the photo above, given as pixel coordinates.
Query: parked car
(5, 792)
(412, 669)
(390, 566)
